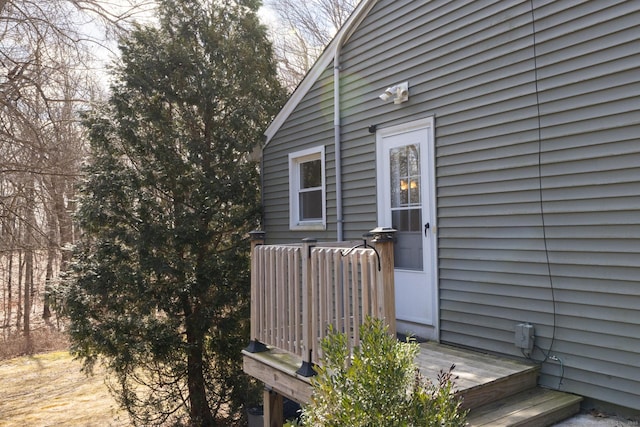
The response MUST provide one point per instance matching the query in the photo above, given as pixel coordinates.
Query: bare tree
(48, 77)
(304, 29)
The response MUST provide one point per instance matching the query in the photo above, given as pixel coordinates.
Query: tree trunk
(46, 310)
(65, 223)
(28, 283)
(19, 293)
(52, 243)
(29, 262)
(9, 290)
(199, 410)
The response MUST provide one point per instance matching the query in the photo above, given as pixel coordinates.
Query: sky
(268, 16)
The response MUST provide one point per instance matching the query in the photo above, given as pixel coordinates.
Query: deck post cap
(382, 234)
(257, 235)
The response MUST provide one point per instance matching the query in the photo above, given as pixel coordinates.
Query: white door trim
(383, 204)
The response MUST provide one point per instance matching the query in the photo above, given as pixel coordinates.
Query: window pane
(414, 191)
(400, 220)
(408, 245)
(404, 164)
(311, 205)
(413, 159)
(311, 174)
(407, 219)
(415, 220)
(408, 251)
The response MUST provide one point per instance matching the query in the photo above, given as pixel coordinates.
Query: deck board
(472, 368)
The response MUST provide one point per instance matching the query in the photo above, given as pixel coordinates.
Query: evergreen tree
(159, 290)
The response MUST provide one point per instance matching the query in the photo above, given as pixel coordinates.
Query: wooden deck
(499, 391)
(481, 377)
(298, 290)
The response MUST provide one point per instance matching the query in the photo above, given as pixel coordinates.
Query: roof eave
(321, 64)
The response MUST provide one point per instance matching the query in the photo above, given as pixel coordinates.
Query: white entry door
(406, 202)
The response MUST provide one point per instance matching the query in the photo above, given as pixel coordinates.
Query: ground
(596, 420)
(50, 390)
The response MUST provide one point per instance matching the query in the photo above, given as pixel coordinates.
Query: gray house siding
(589, 83)
(537, 127)
(311, 125)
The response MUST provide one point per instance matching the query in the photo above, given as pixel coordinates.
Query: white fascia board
(303, 88)
(316, 70)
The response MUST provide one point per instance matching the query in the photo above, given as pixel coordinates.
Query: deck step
(480, 378)
(536, 407)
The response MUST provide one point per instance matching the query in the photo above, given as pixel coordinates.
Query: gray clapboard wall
(537, 119)
(309, 126)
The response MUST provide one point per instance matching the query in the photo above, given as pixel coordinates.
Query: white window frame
(295, 160)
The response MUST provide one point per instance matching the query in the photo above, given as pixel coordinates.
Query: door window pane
(407, 219)
(405, 176)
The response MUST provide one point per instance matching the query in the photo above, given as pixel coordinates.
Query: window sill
(311, 226)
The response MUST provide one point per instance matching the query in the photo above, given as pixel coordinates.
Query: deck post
(255, 346)
(383, 238)
(273, 410)
(306, 369)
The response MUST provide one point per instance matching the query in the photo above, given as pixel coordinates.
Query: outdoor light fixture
(399, 93)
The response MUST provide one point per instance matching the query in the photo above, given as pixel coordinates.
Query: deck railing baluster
(297, 291)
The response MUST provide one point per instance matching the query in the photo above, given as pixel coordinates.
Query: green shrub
(378, 385)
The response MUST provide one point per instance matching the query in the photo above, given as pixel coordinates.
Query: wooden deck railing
(297, 291)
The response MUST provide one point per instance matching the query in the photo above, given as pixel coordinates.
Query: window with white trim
(307, 190)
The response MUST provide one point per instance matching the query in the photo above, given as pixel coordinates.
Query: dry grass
(42, 340)
(50, 390)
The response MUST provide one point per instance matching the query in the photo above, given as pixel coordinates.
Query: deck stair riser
(536, 407)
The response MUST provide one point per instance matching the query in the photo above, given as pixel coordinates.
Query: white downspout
(336, 114)
(337, 140)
